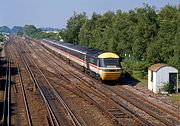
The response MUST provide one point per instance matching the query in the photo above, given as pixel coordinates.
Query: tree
(142, 36)
(102, 26)
(29, 30)
(175, 59)
(144, 29)
(85, 35)
(73, 27)
(168, 24)
(1, 37)
(5, 29)
(120, 35)
(17, 30)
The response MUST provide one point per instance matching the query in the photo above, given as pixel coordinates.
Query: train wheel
(92, 74)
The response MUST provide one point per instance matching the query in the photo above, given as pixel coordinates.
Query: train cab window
(112, 62)
(98, 63)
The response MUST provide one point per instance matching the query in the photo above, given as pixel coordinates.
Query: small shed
(159, 74)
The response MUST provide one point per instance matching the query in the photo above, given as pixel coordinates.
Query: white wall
(163, 75)
(159, 78)
(150, 84)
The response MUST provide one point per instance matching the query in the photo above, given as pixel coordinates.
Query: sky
(55, 13)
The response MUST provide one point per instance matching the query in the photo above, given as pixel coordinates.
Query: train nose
(110, 75)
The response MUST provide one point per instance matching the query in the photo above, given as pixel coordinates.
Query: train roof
(89, 51)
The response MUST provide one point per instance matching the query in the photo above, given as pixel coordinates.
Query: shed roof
(156, 67)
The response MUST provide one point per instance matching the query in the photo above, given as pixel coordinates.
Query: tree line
(142, 37)
(1, 41)
(37, 33)
(32, 31)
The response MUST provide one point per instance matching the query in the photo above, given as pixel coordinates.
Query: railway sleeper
(121, 115)
(117, 113)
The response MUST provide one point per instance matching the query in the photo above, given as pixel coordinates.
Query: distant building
(52, 31)
(159, 74)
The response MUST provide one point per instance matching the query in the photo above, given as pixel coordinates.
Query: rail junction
(41, 88)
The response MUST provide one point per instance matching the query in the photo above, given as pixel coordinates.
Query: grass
(143, 82)
(174, 96)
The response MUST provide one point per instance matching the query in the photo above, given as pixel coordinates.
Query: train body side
(87, 58)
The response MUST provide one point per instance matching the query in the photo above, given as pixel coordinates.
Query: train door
(98, 63)
(87, 63)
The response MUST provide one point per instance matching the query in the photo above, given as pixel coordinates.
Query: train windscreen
(109, 62)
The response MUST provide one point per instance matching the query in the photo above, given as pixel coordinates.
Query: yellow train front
(109, 66)
(106, 65)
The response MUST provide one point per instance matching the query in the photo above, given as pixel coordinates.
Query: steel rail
(151, 103)
(137, 102)
(9, 94)
(136, 117)
(82, 91)
(24, 94)
(66, 107)
(52, 116)
(33, 79)
(4, 118)
(74, 119)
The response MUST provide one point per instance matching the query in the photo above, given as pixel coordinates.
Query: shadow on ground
(123, 80)
(3, 70)
(1, 111)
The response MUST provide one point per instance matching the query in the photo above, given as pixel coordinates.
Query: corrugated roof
(156, 67)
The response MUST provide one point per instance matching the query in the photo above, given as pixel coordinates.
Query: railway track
(39, 112)
(29, 120)
(53, 119)
(140, 103)
(153, 99)
(19, 106)
(151, 106)
(152, 109)
(55, 94)
(83, 92)
(6, 118)
(114, 112)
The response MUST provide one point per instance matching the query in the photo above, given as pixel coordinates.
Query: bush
(138, 69)
(138, 74)
(168, 87)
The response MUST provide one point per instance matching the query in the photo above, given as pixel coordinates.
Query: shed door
(173, 80)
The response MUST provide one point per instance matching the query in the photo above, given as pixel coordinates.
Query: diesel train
(104, 65)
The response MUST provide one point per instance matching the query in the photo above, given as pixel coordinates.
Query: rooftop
(156, 67)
